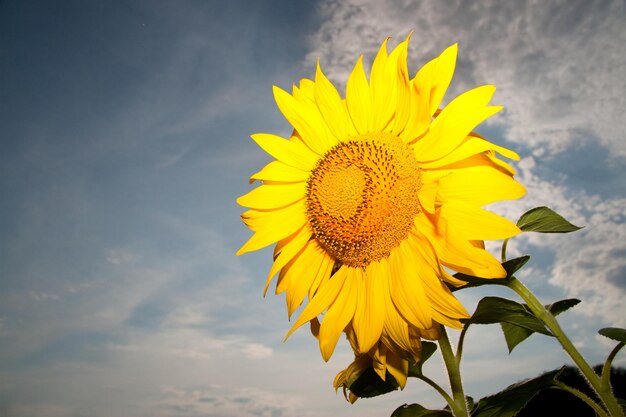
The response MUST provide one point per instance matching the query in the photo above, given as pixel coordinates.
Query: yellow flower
(373, 195)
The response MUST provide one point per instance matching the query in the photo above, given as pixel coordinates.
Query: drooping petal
(407, 291)
(455, 251)
(398, 367)
(397, 329)
(369, 317)
(340, 313)
(444, 304)
(299, 275)
(324, 298)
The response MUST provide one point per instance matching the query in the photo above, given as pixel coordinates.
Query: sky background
(124, 132)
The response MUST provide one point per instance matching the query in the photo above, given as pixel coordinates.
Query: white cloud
(557, 65)
(219, 400)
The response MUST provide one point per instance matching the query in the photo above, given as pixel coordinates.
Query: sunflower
(374, 198)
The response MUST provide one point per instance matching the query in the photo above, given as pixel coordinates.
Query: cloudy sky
(125, 141)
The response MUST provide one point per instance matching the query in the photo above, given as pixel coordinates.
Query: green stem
(604, 392)
(591, 403)
(459, 405)
(503, 252)
(438, 388)
(606, 369)
(459, 348)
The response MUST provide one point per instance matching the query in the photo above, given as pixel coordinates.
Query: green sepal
(511, 266)
(511, 400)
(369, 384)
(545, 220)
(501, 310)
(415, 368)
(514, 334)
(416, 410)
(614, 333)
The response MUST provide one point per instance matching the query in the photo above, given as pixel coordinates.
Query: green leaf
(544, 220)
(614, 333)
(514, 335)
(510, 401)
(501, 310)
(428, 348)
(369, 384)
(511, 266)
(416, 410)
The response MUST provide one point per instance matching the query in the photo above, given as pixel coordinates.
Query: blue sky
(125, 142)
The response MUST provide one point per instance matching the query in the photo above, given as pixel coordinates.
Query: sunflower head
(374, 198)
(360, 198)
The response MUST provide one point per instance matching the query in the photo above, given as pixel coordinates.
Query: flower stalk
(452, 362)
(602, 390)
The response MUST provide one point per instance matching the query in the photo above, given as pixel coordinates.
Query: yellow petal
(306, 90)
(322, 300)
(369, 317)
(332, 107)
(290, 152)
(279, 172)
(305, 117)
(427, 89)
(479, 186)
(471, 145)
(301, 272)
(340, 313)
(428, 193)
(360, 364)
(323, 274)
(419, 118)
(406, 288)
(383, 88)
(440, 297)
(403, 103)
(271, 226)
(379, 361)
(474, 223)
(396, 328)
(434, 78)
(398, 368)
(270, 196)
(454, 251)
(288, 251)
(454, 123)
(358, 98)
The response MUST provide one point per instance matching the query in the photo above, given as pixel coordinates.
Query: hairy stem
(601, 412)
(459, 405)
(438, 388)
(604, 392)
